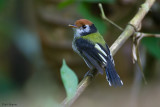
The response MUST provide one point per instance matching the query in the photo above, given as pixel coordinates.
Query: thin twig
(105, 18)
(128, 32)
(135, 49)
(139, 62)
(136, 86)
(132, 26)
(137, 39)
(150, 35)
(135, 53)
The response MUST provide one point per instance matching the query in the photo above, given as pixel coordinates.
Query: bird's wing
(107, 51)
(93, 53)
(92, 61)
(111, 74)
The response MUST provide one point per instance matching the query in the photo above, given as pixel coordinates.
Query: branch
(128, 32)
(135, 53)
(136, 41)
(132, 26)
(149, 35)
(105, 18)
(135, 49)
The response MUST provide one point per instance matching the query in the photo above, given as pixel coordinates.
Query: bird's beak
(73, 26)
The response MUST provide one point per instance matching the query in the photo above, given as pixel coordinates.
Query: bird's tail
(111, 75)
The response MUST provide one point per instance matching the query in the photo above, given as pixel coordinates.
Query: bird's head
(83, 27)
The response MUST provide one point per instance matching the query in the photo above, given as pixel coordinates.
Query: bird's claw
(89, 73)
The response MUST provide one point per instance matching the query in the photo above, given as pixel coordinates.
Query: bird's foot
(89, 73)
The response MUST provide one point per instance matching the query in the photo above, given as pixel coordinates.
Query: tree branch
(136, 41)
(105, 18)
(135, 49)
(149, 35)
(128, 32)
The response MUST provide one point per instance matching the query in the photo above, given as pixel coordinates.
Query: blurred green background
(35, 37)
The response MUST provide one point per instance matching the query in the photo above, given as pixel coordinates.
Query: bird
(91, 46)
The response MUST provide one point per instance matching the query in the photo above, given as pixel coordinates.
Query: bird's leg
(90, 73)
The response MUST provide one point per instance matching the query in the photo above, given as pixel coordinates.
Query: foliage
(65, 3)
(68, 2)
(69, 80)
(153, 46)
(6, 85)
(100, 1)
(2, 4)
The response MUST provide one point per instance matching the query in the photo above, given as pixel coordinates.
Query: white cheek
(87, 29)
(78, 32)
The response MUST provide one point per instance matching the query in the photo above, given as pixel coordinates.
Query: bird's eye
(83, 26)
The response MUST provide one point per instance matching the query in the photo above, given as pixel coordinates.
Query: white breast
(74, 46)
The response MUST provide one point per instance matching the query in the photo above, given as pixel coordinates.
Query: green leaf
(3, 4)
(69, 80)
(6, 84)
(84, 10)
(99, 1)
(153, 46)
(65, 3)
